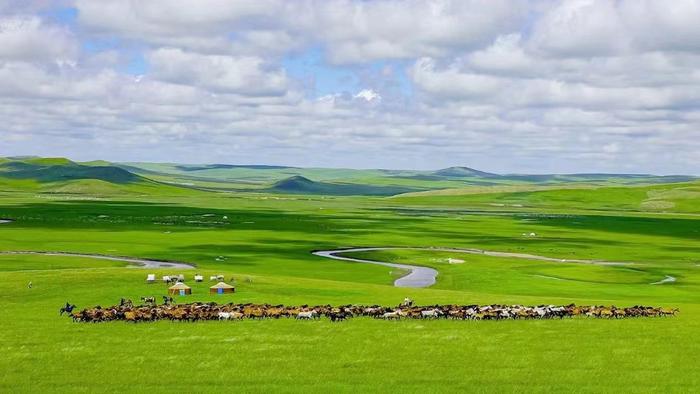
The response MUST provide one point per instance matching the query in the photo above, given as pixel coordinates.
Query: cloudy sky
(509, 86)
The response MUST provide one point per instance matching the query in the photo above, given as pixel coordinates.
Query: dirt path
(138, 263)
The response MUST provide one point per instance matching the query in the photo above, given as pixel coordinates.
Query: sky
(504, 86)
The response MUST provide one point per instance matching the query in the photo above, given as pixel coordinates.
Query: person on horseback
(66, 309)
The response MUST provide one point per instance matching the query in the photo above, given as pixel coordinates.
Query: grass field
(264, 242)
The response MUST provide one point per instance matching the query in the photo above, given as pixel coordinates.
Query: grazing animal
(230, 315)
(307, 315)
(199, 311)
(396, 315)
(430, 314)
(407, 302)
(68, 308)
(148, 300)
(131, 316)
(224, 315)
(668, 312)
(338, 316)
(29, 285)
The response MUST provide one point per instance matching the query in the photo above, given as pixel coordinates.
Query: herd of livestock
(212, 311)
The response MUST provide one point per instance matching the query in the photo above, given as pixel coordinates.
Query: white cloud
(222, 74)
(368, 95)
(608, 27)
(507, 86)
(28, 39)
(351, 31)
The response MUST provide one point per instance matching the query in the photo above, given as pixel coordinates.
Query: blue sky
(510, 86)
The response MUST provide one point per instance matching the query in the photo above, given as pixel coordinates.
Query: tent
(198, 278)
(179, 288)
(221, 288)
(151, 278)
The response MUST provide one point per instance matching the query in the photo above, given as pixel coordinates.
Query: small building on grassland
(179, 288)
(221, 288)
(151, 278)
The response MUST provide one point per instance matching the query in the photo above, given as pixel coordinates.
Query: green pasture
(264, 242)
(673, 197)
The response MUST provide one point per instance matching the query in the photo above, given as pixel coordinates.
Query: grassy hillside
(55, 170)
(301, 185)
(676, 197)
(258, 178)
(63, 176)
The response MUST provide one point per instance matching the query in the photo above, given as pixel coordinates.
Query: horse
(148, 300)
(396, 315)
(307, 315)
(338, 316)
(230, 315)
(167, 300)
(430, 314)
(126, 303)
(66, 309)
(407, 302)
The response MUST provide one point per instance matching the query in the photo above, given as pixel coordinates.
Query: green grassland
(673, 197)
(264, 240)
(340, 181)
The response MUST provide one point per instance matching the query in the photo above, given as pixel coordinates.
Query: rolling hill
(300, 185)
(63, 176)
(462, 172)
(55, 170)
(672, 197)
(60, 175)
(343, 181)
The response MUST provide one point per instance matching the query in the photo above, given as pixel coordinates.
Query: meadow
(264, 240)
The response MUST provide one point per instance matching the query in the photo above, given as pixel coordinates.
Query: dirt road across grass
(138, 263)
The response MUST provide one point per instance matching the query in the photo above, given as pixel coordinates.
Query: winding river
(140, 263)
(423, 276)
(417, 276)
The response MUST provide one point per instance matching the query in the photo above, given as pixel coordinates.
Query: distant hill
(297, 183)
(185, 167)
(464, 172)
(56, 169)
(301, 185)
(63, 176)
(50, 174)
